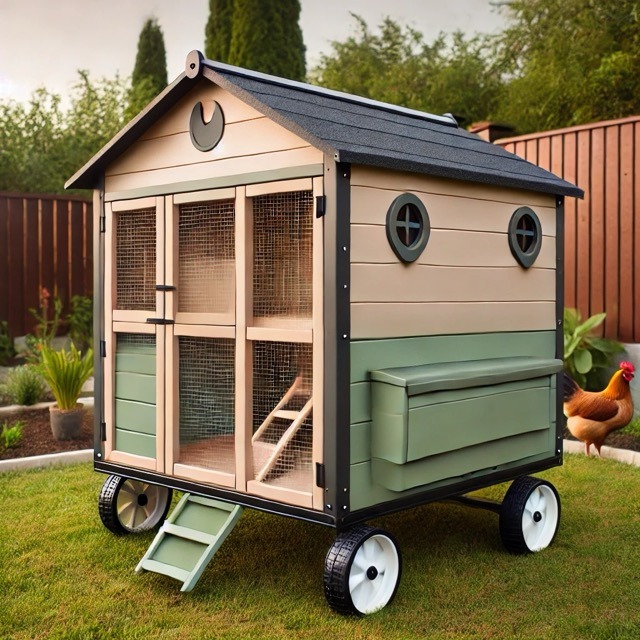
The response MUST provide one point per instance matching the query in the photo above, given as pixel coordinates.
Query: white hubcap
(139, 503)
(540, 518)
(374, 574)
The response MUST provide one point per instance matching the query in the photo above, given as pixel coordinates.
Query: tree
(451, 74)
(570, 62)
(217, 33)
(149, 75)
(263, 35)
(42, 145)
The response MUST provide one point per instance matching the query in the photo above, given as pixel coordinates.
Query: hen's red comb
(627, 366)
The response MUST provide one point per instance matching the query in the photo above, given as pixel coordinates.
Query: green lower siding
(135, 391)
(471, 431)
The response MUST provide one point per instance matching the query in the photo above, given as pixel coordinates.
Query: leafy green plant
(586, 356)
(10, 435)
(23, 385)
(66, 372)
(48, 317)
(80, 322)
(6, 343)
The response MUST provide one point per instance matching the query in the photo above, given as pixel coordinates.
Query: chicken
(592, 416)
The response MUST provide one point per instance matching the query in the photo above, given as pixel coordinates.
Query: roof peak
(196, 62)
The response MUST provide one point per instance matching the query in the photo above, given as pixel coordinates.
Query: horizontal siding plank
(389, 320)
(456, 425)
(177, 120)
(447, 247)
(139, 444)
(248, 138)
(423, 283)
(132, 363)
(230, 167)
(405, 181)
(454, 211)
(369, 355)
(135, 386)
(400, 477)
(360, 442)
(135, 416)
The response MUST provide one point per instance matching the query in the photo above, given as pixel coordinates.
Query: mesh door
(135, 233)
(206, 257)
(282, 263)
(207, 402)
(282, 376)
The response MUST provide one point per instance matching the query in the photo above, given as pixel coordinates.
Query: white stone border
(621, 455)
(48, 460)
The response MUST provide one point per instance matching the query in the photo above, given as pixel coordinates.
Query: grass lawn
(63, 575)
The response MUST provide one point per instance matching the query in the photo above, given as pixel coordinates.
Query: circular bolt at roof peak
(193, 64)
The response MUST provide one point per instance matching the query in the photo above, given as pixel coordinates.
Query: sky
(44, 42)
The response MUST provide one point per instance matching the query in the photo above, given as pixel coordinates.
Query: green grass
(633, 428)
(63, 575)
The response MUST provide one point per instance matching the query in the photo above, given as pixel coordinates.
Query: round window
(408, 227)
(525, 236)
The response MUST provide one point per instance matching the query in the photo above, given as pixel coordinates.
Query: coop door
(134, 383)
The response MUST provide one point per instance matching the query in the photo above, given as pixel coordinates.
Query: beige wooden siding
(250, 143)
(466, 280)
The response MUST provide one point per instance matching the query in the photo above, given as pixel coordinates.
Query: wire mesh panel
(282, 263)
(282, 414)
(206, 400)
(135, 233)
(206, 257)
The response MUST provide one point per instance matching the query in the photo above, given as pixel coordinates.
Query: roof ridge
(446, 120)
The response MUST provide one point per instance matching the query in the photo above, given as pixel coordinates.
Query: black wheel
(529, 516)
(132, 506)
(362, 571)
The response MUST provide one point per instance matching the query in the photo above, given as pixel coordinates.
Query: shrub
(66, 372)
(10, 435)
(80, 322)
(586, 356)
(6, 343)
(23, 385)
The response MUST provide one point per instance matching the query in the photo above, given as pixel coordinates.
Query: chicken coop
(323, 307)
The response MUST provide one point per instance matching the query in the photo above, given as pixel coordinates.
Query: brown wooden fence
(602, 242)
(45, 242)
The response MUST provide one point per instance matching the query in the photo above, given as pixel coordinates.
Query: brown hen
(592, 416)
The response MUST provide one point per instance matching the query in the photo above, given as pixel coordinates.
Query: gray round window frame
(525, 258)
(407, 253)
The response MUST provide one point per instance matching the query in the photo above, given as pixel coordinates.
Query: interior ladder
(296, 418)
(189, 538)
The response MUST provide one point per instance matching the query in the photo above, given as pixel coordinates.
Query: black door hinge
(320, 475)
(165, 287)
(103, 224)
(321, 206)
(103, 348)
(103, 432)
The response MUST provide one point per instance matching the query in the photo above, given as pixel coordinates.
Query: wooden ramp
(266, 454)
(189, 538)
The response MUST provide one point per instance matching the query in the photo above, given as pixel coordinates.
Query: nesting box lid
(349, 128)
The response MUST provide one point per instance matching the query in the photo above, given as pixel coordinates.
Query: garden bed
(37, 438)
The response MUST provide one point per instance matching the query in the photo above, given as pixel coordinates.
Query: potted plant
(66, 372)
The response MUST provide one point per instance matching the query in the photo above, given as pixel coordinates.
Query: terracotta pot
(66, 424)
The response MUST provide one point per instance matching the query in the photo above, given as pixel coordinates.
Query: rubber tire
(338, 563)
(512, 512)
(108, 506)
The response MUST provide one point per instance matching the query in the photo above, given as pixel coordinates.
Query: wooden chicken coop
(324, 307)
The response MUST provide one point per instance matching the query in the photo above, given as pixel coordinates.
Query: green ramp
(189, 539)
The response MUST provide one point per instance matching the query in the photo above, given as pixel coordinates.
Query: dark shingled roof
(352, 129)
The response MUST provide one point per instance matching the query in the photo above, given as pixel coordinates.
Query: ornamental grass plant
(66, 372)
